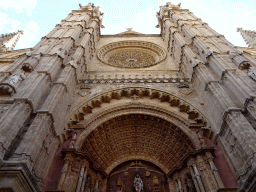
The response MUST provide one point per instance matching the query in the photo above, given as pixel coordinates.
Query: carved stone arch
(91, 103)
(95, 125)
(137, 108)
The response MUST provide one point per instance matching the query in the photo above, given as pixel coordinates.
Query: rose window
(131, 54)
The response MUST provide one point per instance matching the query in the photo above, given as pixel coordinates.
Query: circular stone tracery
(131, 54)
(135, 136)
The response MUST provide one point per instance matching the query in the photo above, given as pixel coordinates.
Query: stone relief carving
(131, 59)
(73, 140)
(15, 79)
(138, 183)
(13, 82)
(179, 186)
(83, 93)
(131, 54)
(164, 80)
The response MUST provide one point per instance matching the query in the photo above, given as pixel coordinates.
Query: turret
(9, 40)
(249, 37)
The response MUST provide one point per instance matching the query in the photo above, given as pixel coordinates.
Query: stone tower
(249, 37)
(8, 41)
(171, 112)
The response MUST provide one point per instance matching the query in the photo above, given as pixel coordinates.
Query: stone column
(194, 179)
(208, 179)
(81, 176)
(171, 184)
(64, 170)
(179, 185)
(190, 166)
(214, 170)
(104, 185)
(198, 178)
(84, 181)
(96, 187)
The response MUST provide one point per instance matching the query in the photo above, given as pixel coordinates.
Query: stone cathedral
(130, 112)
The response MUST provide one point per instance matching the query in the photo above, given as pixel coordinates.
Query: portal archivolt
(136, 136)
(136, 93)
(116, 128)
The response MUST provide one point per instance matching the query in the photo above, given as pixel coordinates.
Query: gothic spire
(249, 37)
(9, 40)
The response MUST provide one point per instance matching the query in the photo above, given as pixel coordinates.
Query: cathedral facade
(85, 112)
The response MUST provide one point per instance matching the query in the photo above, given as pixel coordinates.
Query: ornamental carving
(138, 137)
(131, 54)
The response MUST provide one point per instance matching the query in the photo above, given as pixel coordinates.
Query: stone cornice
(121, 81)
(132, 35)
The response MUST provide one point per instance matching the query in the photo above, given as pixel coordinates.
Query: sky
(38, 17)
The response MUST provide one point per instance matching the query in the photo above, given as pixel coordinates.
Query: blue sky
(38, 17)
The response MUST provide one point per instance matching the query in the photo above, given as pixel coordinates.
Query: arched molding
(103, 107)
(85, 108)
(136, 108)
(139, 157)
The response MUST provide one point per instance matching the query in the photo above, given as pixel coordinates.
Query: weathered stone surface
(164, 100)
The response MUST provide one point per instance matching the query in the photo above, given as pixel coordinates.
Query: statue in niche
(73, 141)
(138, 184)
(159, 20)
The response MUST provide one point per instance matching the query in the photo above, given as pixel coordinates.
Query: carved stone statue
(159, 20)
(129, 29)
(179, 187)
(88, 7)
(172, 6)
(73, 141)
(138, 184)
(16, 78)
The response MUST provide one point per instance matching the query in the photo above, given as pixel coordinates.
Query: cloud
(31, 30)
(30, 36)
(143, 22)
(15, 25)
(19, 6)
(146, 21)
(223, 19)
(32, 26)
(3, 21)
(27, 40)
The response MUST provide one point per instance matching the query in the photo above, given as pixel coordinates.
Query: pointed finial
(249, 37)
(129, 29)
(9, 41)
(239, 29)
